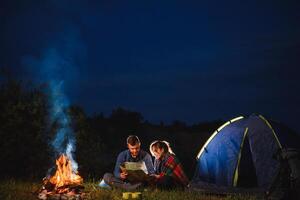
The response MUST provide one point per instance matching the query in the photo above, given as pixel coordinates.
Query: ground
(25, 190)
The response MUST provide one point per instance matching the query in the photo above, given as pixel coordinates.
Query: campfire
(64, 184)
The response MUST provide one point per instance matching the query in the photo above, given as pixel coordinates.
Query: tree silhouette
(25, 134)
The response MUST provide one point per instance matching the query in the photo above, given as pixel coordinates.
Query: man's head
(134, 145)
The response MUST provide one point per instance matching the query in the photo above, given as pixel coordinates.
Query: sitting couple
(166, 172)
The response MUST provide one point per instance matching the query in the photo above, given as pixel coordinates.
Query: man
(132, 154)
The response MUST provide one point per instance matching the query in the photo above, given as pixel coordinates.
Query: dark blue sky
(187, 60)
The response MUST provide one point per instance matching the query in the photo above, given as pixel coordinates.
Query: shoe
(102, 184)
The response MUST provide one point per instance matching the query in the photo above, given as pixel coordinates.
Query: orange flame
(64, 174)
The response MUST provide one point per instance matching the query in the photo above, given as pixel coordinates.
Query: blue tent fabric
(263, 146)
(218, 162)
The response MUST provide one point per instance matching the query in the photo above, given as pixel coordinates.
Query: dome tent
(241, 153)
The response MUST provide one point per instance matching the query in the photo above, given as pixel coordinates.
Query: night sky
(187, 60)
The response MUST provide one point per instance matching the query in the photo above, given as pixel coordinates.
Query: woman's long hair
(162, 145)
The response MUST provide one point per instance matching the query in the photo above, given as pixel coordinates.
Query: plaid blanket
(170, 166)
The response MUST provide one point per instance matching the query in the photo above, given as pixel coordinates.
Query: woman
(168, 170)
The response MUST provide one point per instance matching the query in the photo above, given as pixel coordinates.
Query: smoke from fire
(57, 67)
(64, 140)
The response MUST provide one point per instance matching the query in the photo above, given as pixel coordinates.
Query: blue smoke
(64, 140)
(57, 67)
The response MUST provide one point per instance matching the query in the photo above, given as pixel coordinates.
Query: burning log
(64, 184)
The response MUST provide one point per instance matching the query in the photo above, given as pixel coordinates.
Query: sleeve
(119, 161)
(149, 164)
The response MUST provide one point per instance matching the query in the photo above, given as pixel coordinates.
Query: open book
(137, 171)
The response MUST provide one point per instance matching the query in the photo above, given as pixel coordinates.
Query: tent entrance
(247, 173)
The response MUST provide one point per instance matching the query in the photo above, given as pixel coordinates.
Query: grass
(20, 190)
